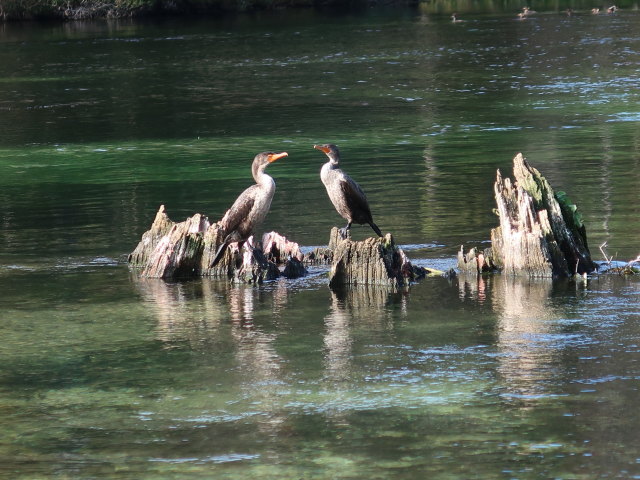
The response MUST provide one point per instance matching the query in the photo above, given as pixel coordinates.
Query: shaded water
(108, 375)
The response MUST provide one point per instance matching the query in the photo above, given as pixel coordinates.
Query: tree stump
(170, 249)
(541, 233)
(476, 261)
(187, 249)
(373, 261)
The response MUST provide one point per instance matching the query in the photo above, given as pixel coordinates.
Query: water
(106, 375)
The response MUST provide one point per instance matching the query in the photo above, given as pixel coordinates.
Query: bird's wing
(356, 199)
(239, 210)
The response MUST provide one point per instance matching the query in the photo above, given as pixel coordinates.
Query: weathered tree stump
(324, 255)
(170, 249)
(278, 248)
(540, 233)
(255, 268)
(476, 261)
(187, 249)
(373, 261)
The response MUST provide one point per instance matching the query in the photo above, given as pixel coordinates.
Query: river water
(107, 375)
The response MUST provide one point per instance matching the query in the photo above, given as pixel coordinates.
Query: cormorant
(251, 207)
(345, 194)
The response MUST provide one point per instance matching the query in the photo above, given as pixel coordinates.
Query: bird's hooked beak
(322, 148)
(275, 156)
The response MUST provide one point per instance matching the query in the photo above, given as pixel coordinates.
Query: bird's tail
(219, 253)
(376, 229)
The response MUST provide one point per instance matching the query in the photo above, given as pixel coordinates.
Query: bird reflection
(216, 316)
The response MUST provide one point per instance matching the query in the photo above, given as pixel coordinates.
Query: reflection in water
(355, 308)
(527, 364)
(195, 311)
(528, 347)
(337, 342)
(240, 302)
(179, 318)
(473, 287)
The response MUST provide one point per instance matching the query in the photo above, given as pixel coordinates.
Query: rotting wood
(186, 249)
(476, 261)
(373, 261)
(540, 232)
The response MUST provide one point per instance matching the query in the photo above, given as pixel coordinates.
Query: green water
(106, 375)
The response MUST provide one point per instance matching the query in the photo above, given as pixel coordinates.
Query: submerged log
(540, 233)
(373, 261)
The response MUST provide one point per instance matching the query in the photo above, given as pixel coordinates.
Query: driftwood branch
(604, 254)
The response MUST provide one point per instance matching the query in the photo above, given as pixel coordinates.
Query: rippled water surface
(107, 375)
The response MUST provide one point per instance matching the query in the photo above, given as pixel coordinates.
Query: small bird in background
(346, 195)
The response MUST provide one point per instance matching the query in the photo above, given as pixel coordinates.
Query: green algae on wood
(540, 233)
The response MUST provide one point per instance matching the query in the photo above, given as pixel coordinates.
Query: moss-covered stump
(541, 233)
(373, 261)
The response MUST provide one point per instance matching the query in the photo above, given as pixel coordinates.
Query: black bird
(251, 207)
(345, 194)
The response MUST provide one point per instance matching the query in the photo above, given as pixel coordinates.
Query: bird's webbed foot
(344, 232)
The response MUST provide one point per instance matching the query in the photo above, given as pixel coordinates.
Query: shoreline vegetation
(62, 10)
(89, 9)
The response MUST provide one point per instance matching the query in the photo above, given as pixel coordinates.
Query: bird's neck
(333, 163)
(262, 178)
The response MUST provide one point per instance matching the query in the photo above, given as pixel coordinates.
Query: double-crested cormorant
(345, 194)
(251, 207)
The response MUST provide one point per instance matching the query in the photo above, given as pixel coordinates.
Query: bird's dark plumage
(346, 195)
(251, 207)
